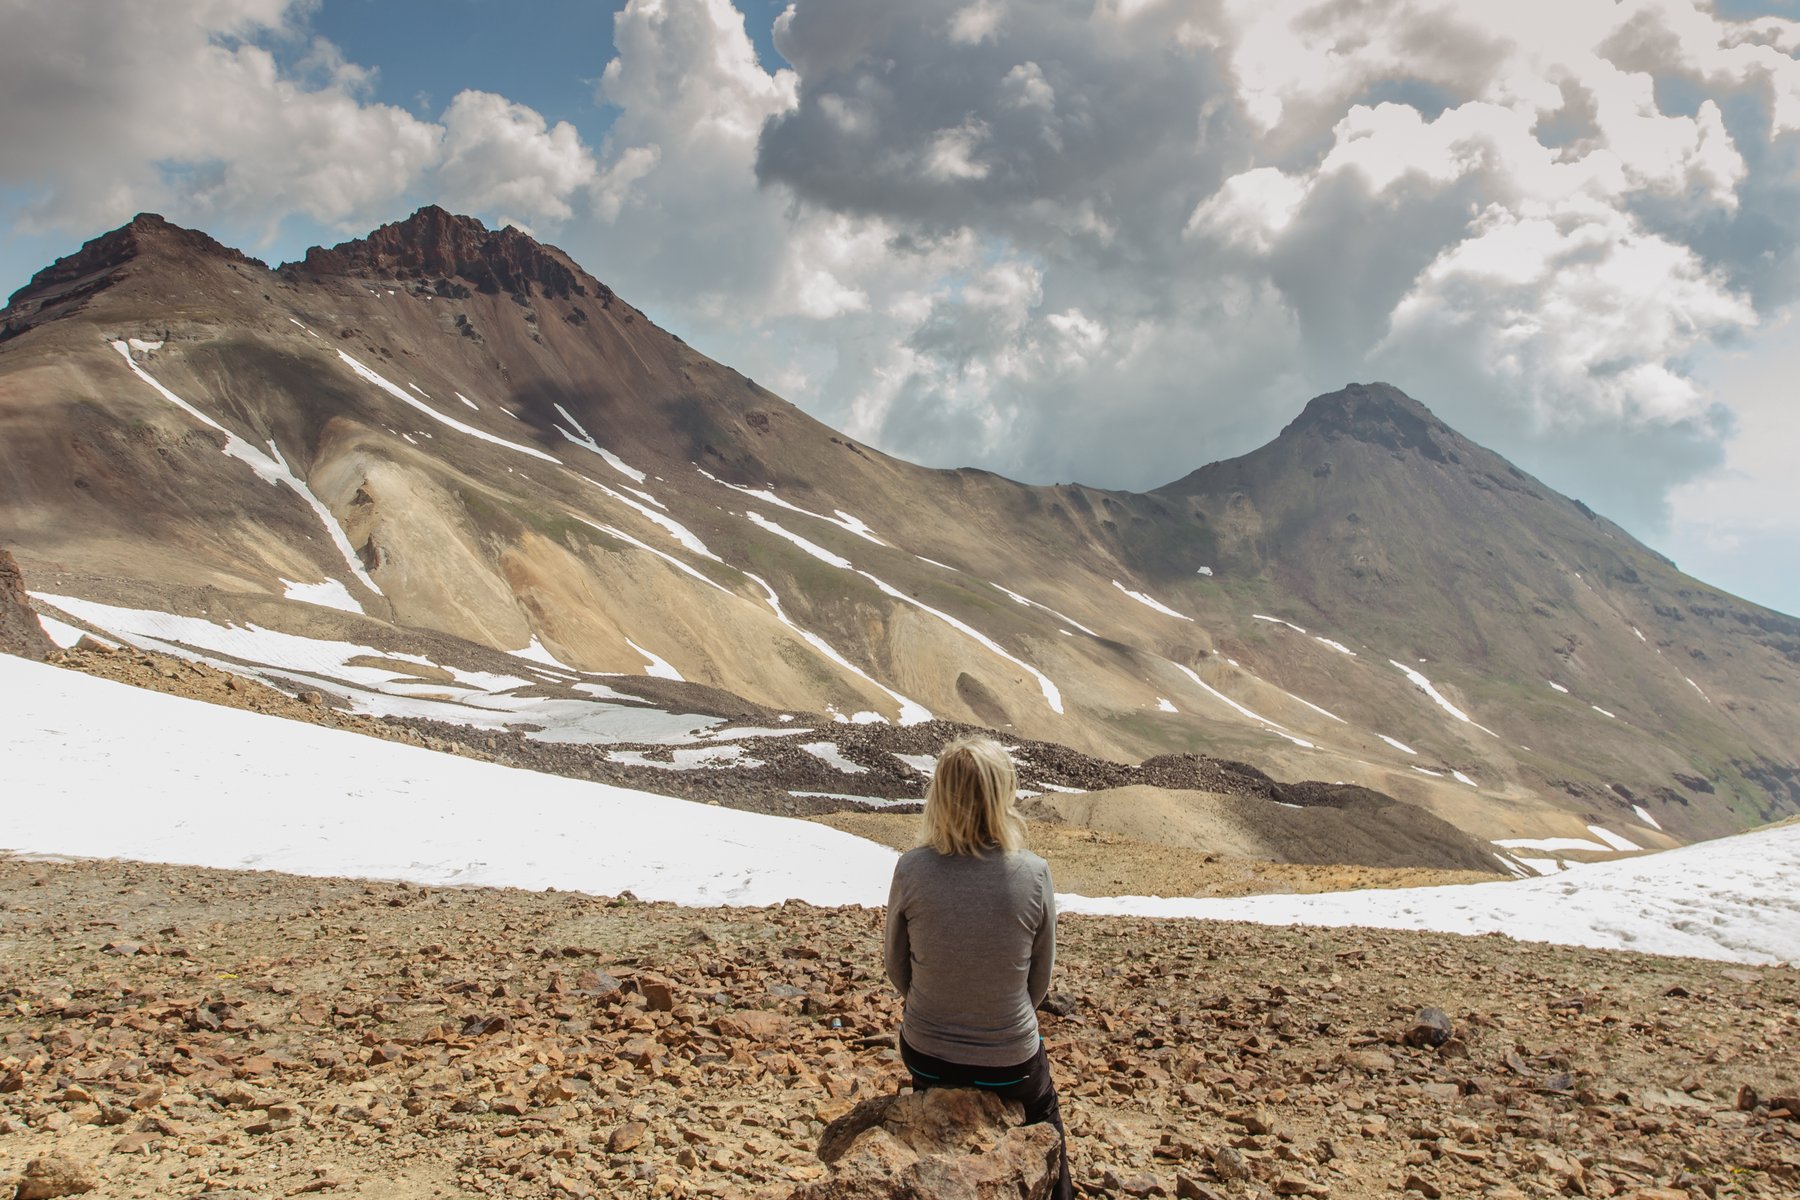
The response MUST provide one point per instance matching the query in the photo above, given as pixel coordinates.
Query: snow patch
(1646, 818)
(64, 634)
(1163, 705)
(400, 394)
(1277, 621)
(842, 520)
(1398, 745)
(1557, 686)
(1616, 841)
(817, 551)
(1552, 843)
(1030, 603)
(1203, 571)
(329, 594)
(829, 753)
(659, 667)
(1424, 685)
(1461, 778)
(585, 440)
(1338, 646)
(333, 803)
(911, 711)
(1148, 602)
(1603, 712)
(1271, 726)
(271, 468)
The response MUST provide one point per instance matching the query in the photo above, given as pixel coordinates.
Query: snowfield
(99, 769)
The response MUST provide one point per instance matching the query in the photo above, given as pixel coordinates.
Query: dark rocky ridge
(433, 244)
(68, 283)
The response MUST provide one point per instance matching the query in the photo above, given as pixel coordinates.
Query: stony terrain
(177, 1032)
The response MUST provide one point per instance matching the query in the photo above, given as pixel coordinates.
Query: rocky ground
(178, 1032)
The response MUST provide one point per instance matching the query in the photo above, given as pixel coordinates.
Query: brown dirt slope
(180, 1032)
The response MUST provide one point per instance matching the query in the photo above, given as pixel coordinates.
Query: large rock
(945, 1144)
(56, 1175)
(20, 632)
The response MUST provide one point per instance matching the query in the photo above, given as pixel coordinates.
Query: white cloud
(501, 155)
(184, 107)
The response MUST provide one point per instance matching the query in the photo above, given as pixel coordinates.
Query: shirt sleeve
(1043, 946)
(897, 943)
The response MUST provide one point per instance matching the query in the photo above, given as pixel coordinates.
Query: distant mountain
(445, 434)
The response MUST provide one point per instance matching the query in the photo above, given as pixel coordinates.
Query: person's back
(971, 940)
(974, 952)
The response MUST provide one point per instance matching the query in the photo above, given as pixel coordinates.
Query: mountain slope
(445, 433)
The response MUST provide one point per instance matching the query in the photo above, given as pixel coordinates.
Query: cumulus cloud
(185, 107)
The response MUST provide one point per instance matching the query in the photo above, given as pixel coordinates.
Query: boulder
(945, 1144)
(56, 1175)
(20, 631)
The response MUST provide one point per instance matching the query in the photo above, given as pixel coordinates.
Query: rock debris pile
(169, 1031)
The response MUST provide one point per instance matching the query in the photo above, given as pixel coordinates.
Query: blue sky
(1106, 240)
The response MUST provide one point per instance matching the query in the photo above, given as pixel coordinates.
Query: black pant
(1029, 1083)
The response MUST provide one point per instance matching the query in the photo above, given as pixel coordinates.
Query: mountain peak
(435, 244)
(102, 261)
(1378, 413)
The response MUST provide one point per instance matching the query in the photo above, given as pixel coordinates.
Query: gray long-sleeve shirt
(970, 944)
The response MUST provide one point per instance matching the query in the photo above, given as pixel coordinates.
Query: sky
(1106, 241)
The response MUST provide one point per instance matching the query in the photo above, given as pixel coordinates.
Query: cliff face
(441, 247)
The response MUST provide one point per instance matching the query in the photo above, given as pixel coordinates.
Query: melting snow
(1603, 712)
(659, 667)
(1204, 571)
(1338, 646)
(911, 711)
(329, 594)
(1424, 685)
(1398, 745)
(143, 347)
(64, 634)
(664, 555)
(1730, 899)
(1461, 778)
(1559, 687)
(1612, 839)
(1640, 634)
(472, 405)
(1052, 696)
(585, 440)
(1029, 602)
(271, 469)
(1696, 687)
(1645, 817)
(1544, 866)
(670, 525)
(692, 759)
(335, 803)
(400, 395)
(1551, 843)
(842, 520)
(1148, 602)
(1164, 706)
(1428, 771)
(286, 660)
(535, 651)
(1278, 621)
(1257, 717)
(831, 755)
(924, 764)
(817, 551)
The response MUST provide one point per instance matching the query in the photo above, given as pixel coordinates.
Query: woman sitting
(971, 939)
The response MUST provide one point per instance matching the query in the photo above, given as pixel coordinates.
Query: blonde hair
(969, 806)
